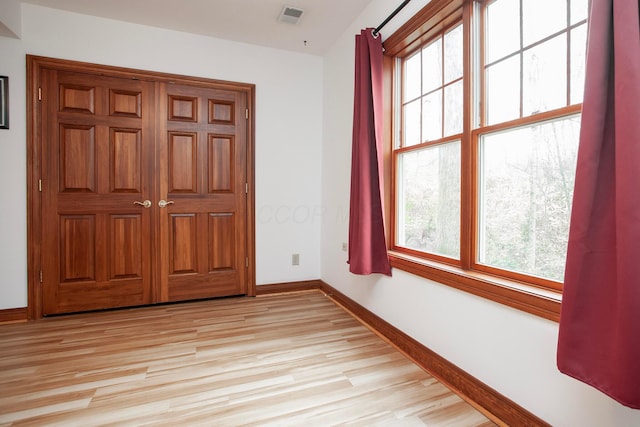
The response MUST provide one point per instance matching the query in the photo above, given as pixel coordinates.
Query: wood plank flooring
(293, 359)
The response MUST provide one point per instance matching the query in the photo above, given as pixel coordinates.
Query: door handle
(164, 203)
(146, 204)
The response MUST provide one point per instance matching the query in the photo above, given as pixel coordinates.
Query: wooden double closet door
(143, 188)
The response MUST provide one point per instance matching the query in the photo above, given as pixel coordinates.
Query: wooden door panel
(96, 240)
(222, 232)
(221, 284)
(102, 295)
(125, 247)
(221, 165)
(125, 103)
(125, 159)
(221, 112)
(76, 98)
(204, 161)
(183, 158)
(183, 241)
(77, 248)
(183, 108)
(77, 158)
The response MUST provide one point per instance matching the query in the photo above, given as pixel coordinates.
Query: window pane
(579, 10)
(578, 58)
(432, 66)
(545, 76)
(432, 116)
(453, 54)
(453, 109)
(542, 18)
(503, 30)
(411, 125)
(412, 78)
(429, 200)
(503, 91)
(525, 190)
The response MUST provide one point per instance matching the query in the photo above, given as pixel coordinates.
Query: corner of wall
(11, 19)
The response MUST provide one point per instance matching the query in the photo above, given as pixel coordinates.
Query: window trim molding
(436, 15)
(522, 296)
(525, 296)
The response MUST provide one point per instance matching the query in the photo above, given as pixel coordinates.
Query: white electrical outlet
(295, 259)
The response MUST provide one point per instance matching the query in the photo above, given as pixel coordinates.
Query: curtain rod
(389, 18)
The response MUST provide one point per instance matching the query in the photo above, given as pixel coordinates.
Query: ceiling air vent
(290, 15)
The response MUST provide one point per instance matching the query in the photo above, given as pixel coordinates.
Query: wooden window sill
(522, 296)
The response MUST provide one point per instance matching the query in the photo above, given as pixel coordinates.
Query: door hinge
(40, 276)
(246, 188)
(246, 262)
(40, 185)
(39, 94)
(246, 113)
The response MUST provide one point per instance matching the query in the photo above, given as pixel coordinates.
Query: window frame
(557, 114)
(538, 296)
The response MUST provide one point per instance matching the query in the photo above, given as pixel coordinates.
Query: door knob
(164, 203)
(146, 204)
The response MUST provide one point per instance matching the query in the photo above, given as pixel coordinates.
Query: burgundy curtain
(367, 244)
(599, 341)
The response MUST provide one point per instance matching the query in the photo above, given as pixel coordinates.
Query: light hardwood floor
(292, 359)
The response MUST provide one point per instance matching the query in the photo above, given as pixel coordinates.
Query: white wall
(511, 351)
(288, 129)
(13, 172)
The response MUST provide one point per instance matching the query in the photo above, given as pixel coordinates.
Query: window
(486, 125)
(428, 215)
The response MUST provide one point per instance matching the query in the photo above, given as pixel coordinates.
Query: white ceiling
(249, 21)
